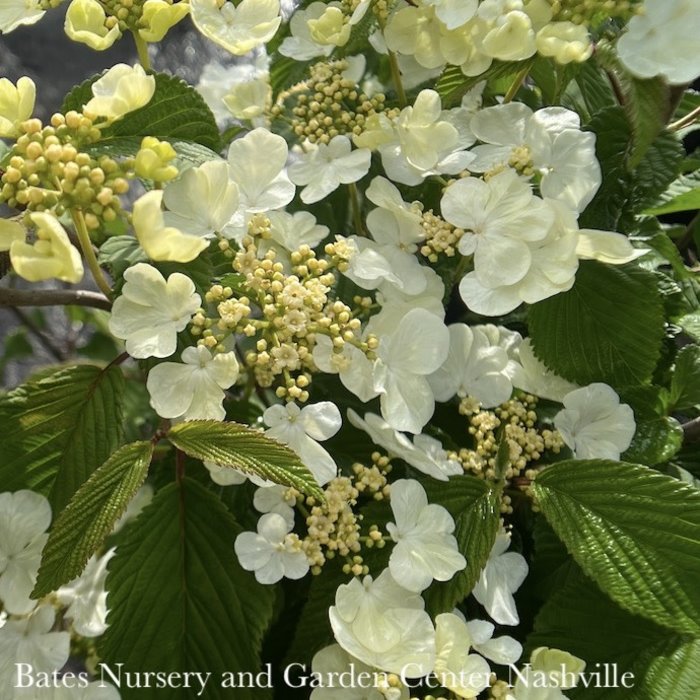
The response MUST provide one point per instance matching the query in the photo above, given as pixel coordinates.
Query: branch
(53, 297)
(691, 431)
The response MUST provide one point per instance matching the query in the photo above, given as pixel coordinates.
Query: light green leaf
(655, 441)
(683, 194)
(235, 445)
(634, 531)
(475, 506)
(82, 527)
(685, 384)
(609, 327)
(58, 429)
(179, 600)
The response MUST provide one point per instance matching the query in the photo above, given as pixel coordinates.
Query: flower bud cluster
(441, 237)
(328, 104)
(516, 422)
(48, 171)
(284, 306)
(593, 12)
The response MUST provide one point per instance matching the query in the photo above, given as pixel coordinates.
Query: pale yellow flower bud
(564, 42)
(86, 24)
(52, 256)
(16, 105)
(120, 90)
(330, 29)
(153, 160)
(159, 16)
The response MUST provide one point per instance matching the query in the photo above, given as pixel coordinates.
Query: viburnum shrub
(393, 383)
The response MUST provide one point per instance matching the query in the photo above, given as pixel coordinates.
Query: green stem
(89, 253)
(516, 85)
(142, 49)
(356, 215)
(396, 77)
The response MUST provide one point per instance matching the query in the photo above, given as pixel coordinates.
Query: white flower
(502, 650)
(425, 548)
(86, 24)
(301, 45)
(288, 232)
(416, 348)
(122, 89)
(607, 246)
(16, 104)
(225, 475)
(29, 640)
(499, 218)
(474, 367)
(453, 13)
(247, 100)
(194, 389)
(159, 241)
(276, 499)
(332, 661)
(663, 40)
(555, 665)
(594, 424)
(465, 674)
(238, 28)
(24, 518)
(548, 142)
(11, 231)
(300, 429)
(565, 42)
(384, 625)
(350, 364)
(503, 574)
(15, 13)
(152, 311)
(553, 263)
(425, 453)
(202, 200)
(263, 183)
(86, 597)
(324, 167)
(505, 30)
(272, 553)
(531, 375)
(52, 255)
(393, 222)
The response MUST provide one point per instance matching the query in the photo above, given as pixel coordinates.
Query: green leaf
(595, 87)
(683, 194)
(659, 167)
(452, 85)
(80, 530)
(475, 506)
(655, 441)
(242, 447)
(179, 600)
(631, 529)
(582, 620)
(120, 252)
(176, 111)
(690, 323)
(608, 327)
(685, 385)
(646, 105)
(58, 429)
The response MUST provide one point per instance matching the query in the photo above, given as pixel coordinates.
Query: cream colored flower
(15, 13)
(159, 16)
(51, 256)
(16, 105)
(122, 89)
(239, 29)
(565, 42)
(161, 242)
(10, 231)
(86, 23)
(330, 28)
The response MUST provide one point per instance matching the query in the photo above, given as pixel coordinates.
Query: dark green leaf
(179, 600)
(685, 385)
(242, 447)
(683, 194)
(655, 441)
(80, 530)
(59, 429)
(634, 531)
(608, 327)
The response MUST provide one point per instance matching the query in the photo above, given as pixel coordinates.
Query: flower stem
(396, 78)
(89, 253)
(356, 215)
(142, 49)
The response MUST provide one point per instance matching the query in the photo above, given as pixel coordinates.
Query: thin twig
(53, 297)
